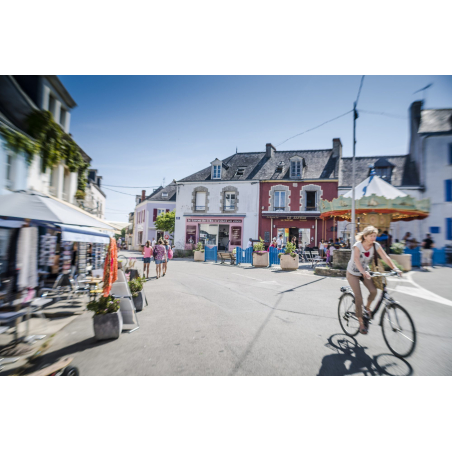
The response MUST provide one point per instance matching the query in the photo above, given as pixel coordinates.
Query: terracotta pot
(289, 263)
(199, 256)
(260, 259)
(403, 259)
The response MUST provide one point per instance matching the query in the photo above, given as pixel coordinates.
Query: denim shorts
(147, 260)
(159, 261)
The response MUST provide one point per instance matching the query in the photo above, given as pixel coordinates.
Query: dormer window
(383, 168)
(280, 167)
(165, 194)
(296, 167)
(216, 171)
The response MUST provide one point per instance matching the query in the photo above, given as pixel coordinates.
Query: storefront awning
(78, 234)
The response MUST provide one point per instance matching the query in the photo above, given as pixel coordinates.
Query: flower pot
(199, 256)
(289, 263)
(403, 259)
(139, 301)
(107, 326)
(260, 259)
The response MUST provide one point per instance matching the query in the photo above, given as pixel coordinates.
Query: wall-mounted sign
(211, 220)
(266, 236)
(190, 236)
(236, 236)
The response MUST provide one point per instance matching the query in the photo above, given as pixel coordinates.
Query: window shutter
(448, 228)
(448, 190)
(155, 215)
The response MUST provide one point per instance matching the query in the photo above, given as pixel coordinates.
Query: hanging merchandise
(27, 258)
(65, 257)
(47, 250)
(98, 254)
(82, 259)
(110, 267)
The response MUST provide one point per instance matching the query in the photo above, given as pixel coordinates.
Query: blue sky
(140, 129)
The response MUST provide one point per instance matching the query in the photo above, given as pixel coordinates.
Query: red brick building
(290, 198)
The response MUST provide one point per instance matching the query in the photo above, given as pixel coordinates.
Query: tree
(123, 233)
(166, 221)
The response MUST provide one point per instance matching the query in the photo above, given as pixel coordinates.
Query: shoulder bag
(379, 281)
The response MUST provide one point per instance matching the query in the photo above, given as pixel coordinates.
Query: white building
(19, 96)
(219, 205)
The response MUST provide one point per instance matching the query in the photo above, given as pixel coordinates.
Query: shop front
(224, 232)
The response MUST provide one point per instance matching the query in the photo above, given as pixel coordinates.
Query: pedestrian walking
(153, 242)
(279, 242)
(147, 253)
(294, 241)
(427, 251)
(321, 248)
(165, 263)
(250, 243)
(159, 256)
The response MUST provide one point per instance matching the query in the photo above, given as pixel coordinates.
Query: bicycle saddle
(346, 289)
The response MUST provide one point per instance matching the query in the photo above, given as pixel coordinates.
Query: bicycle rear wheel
(399, 332)
(347, 315)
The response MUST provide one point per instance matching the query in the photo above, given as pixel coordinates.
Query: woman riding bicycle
(358, 268)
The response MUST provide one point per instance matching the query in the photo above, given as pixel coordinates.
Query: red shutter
(167, 210)
(155, 215)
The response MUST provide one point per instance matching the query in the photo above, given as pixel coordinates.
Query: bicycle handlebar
(389, 273)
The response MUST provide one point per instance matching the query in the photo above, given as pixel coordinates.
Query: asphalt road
(212, 319)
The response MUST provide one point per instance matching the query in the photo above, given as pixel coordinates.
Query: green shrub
(290, 249)
(260, 246)
(104, 305)
(398, 248)
(199, 247)
(136, 286)
(386, 266)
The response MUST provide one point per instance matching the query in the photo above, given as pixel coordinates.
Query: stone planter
(107, 326)
(341, 258)
(199, 256)
(403, 259)
(289, 263)
(260, 259)
(139, 301)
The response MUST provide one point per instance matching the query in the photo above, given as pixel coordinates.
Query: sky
(139, 130)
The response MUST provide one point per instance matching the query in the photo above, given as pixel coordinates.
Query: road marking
(249, 277)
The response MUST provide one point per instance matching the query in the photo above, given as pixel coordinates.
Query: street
(213, 319)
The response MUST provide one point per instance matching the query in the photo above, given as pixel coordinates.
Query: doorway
(293, 232)
(223, 237)
(304, 237)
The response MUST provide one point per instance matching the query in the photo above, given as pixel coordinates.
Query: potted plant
(289, 259)
(260, 256)
(199, 252)
(136, 288)
(400, 257)
(107, 320)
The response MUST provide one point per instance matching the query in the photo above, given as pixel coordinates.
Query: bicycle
(397, 326)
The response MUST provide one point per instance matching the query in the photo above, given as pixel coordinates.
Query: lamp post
(355, 117)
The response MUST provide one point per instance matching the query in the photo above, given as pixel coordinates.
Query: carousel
(377, 203)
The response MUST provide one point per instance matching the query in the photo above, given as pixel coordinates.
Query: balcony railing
(281, 209)
(200, 207)
(310, 208)
(229, 207)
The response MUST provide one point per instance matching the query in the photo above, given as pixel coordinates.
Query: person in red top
(147, 253)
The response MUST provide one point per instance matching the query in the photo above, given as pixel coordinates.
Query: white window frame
(230, 203)
(278, 199)
(159, 211)
(295, 167)
(216, 172)
(199, 207)
(9, 169)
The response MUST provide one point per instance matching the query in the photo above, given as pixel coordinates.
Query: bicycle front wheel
(399, 332)
(346, 312)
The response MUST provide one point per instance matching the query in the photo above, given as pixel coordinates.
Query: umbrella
(36, 206)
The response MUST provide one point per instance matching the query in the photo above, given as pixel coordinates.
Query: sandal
(368, 312)
(363, 330)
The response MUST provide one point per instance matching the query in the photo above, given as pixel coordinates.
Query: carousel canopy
(375, 185)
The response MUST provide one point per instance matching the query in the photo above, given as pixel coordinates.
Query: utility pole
(353, 231)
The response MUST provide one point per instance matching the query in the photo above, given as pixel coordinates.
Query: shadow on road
(350, 358)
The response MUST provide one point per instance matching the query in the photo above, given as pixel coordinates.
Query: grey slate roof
(318, 164)
(157, 195)
(404, 172)
(436, 121)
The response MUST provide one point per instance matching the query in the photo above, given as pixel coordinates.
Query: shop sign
(236, 235)
(266, 236)
(211, 220)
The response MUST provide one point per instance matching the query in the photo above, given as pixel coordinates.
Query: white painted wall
(248, 200)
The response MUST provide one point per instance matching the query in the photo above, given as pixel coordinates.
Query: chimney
(269, 150)
(337, 148)
(143, 195)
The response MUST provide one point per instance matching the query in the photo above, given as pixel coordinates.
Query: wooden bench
(225, 256)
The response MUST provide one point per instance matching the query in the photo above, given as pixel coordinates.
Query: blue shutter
(450, 153)
(448, 228)
(448, 189)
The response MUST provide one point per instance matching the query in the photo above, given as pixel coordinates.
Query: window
(448, 190)
(165, 194)
(450, 154)
(63, 118)
(384, 173)
(229, 200)
(434, 230)
(9, 163)
(240, 171)
(310, 200)
(448, 228)
(52, 103)
(217, 171)
(280, 200)
(295, 169)
(200, 200)
(159, 211)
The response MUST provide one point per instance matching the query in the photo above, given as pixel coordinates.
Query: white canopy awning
(78, 234)
(375, 185)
